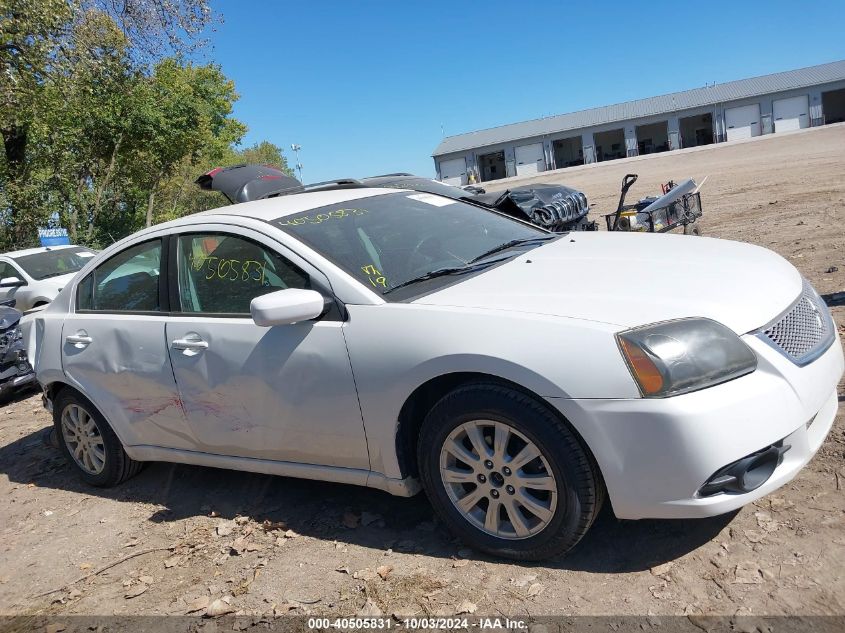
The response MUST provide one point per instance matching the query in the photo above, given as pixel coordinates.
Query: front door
(113, 348)
(283, 393)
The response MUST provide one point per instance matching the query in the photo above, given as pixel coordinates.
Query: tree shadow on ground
(320, 509)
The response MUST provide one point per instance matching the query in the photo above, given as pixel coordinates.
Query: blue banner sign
(53, 237)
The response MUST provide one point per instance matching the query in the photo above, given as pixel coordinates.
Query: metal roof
(697, 97)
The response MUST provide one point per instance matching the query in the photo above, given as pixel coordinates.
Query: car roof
(280, 206)
(40, 249)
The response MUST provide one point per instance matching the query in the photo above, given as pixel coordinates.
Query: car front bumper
(655, 454)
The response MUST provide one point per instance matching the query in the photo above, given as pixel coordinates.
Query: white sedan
(33, 277)
(390, 339)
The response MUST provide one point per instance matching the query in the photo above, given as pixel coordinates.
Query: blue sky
(366, 87)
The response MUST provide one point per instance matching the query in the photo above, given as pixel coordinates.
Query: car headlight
(674, 357)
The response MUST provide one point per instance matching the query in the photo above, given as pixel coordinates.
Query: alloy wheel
(498, 479)
(83, 439)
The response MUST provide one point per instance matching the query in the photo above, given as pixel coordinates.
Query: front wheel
(506, 474)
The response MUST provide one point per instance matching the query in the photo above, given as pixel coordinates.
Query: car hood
(58, 282)
(629, 279)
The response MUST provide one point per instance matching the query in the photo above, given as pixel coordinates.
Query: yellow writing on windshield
(374, 276)
(319, 218)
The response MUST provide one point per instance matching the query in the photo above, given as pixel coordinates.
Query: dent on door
(123, 367)
(283, 393)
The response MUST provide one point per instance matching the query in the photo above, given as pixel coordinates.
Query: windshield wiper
(442, 272)
(511, 244)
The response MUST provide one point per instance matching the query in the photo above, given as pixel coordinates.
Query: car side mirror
(11, 282)
(283, 307)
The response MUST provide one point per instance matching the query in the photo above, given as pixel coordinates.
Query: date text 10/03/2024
(414, 624)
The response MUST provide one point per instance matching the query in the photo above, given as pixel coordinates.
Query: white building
(722, 112)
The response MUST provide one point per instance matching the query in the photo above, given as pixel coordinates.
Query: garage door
(792, 113)
(743, 122)
(454, 172)
(529, 159)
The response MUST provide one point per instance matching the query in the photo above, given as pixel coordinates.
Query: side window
(126, 282)
(222, 274)
(7, 271)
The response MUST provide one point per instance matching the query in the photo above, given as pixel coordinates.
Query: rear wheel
(506, 474)
(88, 442)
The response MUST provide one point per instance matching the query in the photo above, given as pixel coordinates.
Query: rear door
(113, 347)
(283, 393)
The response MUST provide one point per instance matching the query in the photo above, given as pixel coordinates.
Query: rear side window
(222, 274)
(126, 282)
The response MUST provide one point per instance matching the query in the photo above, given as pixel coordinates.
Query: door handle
(192, 343)
(80, 339)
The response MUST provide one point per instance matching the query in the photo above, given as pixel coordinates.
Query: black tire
(580, 489)
(117, 466)
(692, 229)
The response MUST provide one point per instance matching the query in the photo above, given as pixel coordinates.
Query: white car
(391, 338)
(33, 277)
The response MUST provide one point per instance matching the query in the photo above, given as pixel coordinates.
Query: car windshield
(55, 262)
(388, 240)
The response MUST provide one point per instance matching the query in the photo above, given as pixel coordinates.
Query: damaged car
(15, 371)
(403, 340)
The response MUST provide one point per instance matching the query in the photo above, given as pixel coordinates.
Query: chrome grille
(804, 331)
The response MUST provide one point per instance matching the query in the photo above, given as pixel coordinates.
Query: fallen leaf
(748, 573)
(364, 574)
(136, 591)
(524, 581)
(462, 562)
(224, 528)
(84, 565)
(384, 571)
(219, 607)
(754, 536)
(369, 610)
(238, 545)
(284, 608)
(133, 542)
(536, 589)
(172, 561)
(350, 520)
(343, 570)
(198, 604)
(290, 534)
(766, 522)
(269, 525)
(659, 570)
(241, 520)
(466, 607)
(253, 547)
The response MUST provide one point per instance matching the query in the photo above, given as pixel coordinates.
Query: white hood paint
(636, 279)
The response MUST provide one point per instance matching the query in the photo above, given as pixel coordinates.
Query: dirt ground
(214, 541)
